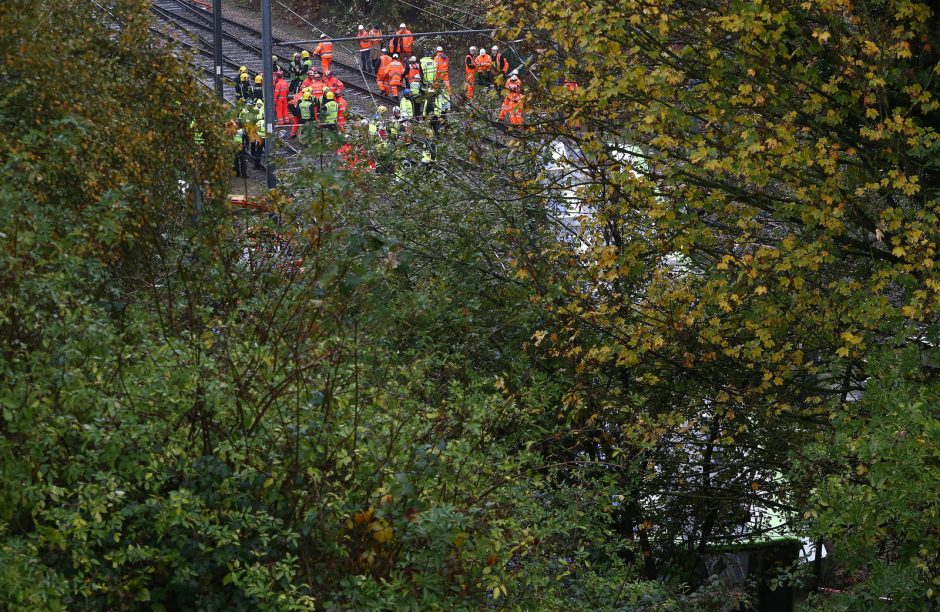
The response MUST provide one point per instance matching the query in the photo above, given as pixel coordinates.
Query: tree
(278, 410)
(759, 191)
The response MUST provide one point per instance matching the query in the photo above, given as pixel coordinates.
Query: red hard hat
(310, 73)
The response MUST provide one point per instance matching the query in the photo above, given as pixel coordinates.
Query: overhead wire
(451, 21)
(359, 64)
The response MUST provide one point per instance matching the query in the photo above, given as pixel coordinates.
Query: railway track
(241, 46)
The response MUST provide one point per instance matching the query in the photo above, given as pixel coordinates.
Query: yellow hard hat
(258, 79)
(382, 109)
(308, 90)
(244, 76)
(307, 95)
(329, 95)
(243, 69)
(305, 54)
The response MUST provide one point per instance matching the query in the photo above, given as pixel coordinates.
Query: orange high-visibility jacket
(500, 63)
(483, 62)
(512, 106)
(335, 85)
(325, 49)
(407, 40)
(376, 41)
(364, 41)
(443, 65)
(384, 60)
(470, 63)
(411, 71)
(281, 90)
(395, 73)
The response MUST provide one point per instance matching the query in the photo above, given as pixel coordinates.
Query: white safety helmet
(394, 56)
(323, 36)
(401, 25)
(473, 49)
(439, 49)
(412, 59)
(495, 49)
(384, 50)
(362, 27)
(482, 50)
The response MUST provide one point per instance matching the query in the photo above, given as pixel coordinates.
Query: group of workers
(316, 99)
(305, 93)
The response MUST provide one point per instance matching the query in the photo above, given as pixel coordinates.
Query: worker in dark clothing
(257, 92)
(243, 89)
(241, 148)
(500, 63)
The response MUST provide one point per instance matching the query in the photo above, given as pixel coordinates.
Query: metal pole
(217, 45)
(267, 50)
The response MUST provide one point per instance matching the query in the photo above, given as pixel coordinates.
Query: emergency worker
(240, 140)
(375, 47)
(428, 71)
(306, 61)
(365, 62)
(514, 83)
(296, 73)
(512, 107)
(500, 63)
(311, 77)
(294, 107)
(341, 106)
(395, 73)
(412, 69)
(403, 41)
(381, 73)
(438, 112)
(416, 87)
(257, 91)
(257, 143)
(281, 94)
(275, 66)
(243, 89)
(303, 111)
(406, 106)
(417, 96)
(443, 67)
(335, 85)
(325, 51)
(329, 113)
(395, 123)
(484, 64)
(376, 126)
(470, 70)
